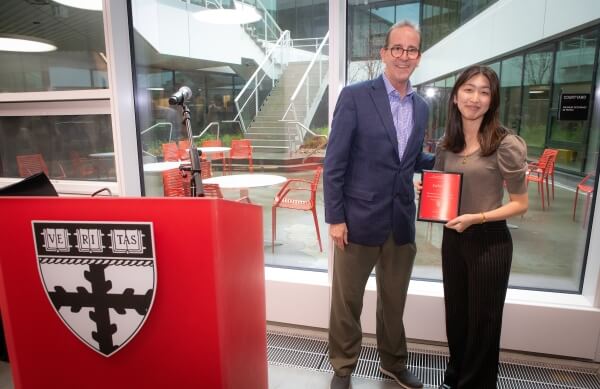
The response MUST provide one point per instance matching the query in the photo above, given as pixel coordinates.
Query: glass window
(368, 23)
(240, 94)
(549, 242)
(536, 100)
(441, 17)
(573, 74)
(68, 147)
(510, 92)
(594, 138)
(78, 60)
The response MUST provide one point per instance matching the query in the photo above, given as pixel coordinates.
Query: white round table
(107, 154)
(245, 181)
(153, 182)
(159, 167)
(208, 150)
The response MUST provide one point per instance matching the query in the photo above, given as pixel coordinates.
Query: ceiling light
(533, 92)
(241, 14)
(24, 44)
(91, 5)
(156, 88)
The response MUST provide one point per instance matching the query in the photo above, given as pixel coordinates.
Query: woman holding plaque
(477, 246)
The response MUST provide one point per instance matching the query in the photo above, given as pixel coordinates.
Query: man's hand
(339, 234)
(418, 187)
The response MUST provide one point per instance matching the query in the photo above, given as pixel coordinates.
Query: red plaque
(440, 197)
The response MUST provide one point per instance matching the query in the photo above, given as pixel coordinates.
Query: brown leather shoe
(404, 378)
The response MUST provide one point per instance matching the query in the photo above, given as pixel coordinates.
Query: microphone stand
(196, 188)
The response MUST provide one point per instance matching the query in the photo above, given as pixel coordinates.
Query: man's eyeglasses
(397, 52)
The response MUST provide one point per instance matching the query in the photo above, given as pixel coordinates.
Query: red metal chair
(242, 149)
(217, 156)
(184, 149)
(170, 152)
(29, 164)
(547, 156)
(585, 186)
(541, 171)
(173, 183)
(82, 167)
(283, 200)
(212, 190)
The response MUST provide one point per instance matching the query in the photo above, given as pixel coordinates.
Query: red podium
(204, 323)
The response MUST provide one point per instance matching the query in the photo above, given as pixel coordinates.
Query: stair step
(272, 149)
(259, 127)
(259, 137)
(269, 142)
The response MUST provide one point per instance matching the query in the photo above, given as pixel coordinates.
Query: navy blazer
(366, 185)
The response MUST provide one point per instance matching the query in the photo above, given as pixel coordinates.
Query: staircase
(267, 133)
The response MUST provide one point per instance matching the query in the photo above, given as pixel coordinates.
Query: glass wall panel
(550, 240)
(242, 90)
(79, 58)
(594, 138)
(66, 147)
(573, 74)
(368, 23)
(442, 17)
(511, 92)
(536, 99)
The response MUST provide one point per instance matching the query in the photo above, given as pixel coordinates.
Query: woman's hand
(463, 222)
(339, 234)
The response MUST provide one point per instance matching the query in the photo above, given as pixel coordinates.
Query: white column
(120, 76)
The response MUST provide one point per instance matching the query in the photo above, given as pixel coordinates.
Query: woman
(477, 246)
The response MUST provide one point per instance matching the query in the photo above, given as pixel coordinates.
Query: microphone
(184, 93)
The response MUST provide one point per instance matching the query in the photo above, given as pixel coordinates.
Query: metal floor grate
(311, 353)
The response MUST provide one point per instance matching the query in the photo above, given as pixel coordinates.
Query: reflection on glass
(249, 82)
(79, 62)
(71, 147)
(550, 242)
(441, 17)
(368, 23)
(536, 99)
(573, 74)
(510, 92)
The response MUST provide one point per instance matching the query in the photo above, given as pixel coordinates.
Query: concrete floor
(548, 245)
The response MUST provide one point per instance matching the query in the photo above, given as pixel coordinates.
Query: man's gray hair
(400, 24)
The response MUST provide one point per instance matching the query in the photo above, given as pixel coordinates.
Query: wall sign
(100, 278)
(574, 106)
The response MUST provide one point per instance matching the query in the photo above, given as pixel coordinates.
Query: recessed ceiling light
(91, 5)
(241, 14)
(24, 44)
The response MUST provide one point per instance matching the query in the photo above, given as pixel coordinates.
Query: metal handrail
(268, 14)
(160, 125)
(315, 40)
(301, 134)
(206, 129)
(306, 129)
(282, 42)
(305, 77)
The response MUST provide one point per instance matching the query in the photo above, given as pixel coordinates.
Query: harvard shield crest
(100, 278)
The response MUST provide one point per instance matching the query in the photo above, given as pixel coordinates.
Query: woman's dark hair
(491, 131)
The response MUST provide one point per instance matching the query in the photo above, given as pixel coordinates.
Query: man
(375, 147)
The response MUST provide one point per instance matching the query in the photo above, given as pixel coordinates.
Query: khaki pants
(352, 267)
